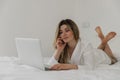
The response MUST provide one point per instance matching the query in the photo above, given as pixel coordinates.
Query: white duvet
(9, 70)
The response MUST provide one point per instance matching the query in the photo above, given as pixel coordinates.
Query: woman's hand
(60, 44)
(60, 47)
(64, 66)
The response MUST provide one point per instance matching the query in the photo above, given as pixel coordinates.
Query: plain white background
(39, 19)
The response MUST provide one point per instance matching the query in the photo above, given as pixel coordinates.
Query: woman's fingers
(58, 67)
(60, 44)
(59, 41)
(55, 67)
(64, 66)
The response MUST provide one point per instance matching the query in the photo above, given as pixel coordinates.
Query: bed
(10, 70)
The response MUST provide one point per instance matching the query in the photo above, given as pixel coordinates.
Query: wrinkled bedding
(10, 70)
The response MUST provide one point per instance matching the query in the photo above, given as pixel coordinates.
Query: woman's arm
(57, 54)
(60, 47)
(64, 66)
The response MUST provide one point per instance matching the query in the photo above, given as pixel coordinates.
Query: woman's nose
(63, 34)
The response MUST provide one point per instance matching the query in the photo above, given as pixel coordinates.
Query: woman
(72, 53)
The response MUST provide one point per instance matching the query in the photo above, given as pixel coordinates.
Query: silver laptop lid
(29, 52)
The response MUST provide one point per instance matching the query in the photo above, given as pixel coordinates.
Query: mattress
(10, 70)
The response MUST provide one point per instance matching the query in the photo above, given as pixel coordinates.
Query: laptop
(30, 52)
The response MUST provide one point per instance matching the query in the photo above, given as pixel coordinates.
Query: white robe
(85, 56)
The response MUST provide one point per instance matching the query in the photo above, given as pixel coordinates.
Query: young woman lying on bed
(73, 53)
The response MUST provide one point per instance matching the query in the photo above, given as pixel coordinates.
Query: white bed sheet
(9, 70)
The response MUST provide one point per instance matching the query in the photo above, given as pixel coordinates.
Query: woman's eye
(67, 30)
(60, 32)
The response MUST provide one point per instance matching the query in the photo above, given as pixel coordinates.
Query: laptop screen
(29, 52)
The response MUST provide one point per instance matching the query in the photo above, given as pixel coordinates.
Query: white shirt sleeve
(52, 61)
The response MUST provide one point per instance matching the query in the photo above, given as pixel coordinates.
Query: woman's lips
(65, 38)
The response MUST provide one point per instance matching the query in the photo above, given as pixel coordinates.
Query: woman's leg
(104, 46)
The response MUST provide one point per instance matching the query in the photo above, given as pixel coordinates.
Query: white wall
(31, 18)
(105, 13)
(39, 18)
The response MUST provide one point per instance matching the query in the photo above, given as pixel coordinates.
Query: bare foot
(99, 31)
(113, 60)
(109, 36)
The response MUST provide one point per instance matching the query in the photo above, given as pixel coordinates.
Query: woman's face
(66, 34)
